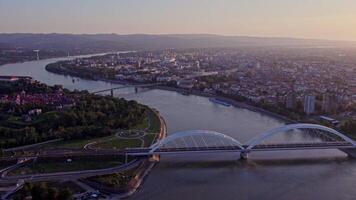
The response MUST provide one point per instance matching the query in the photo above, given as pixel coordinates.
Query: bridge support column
(350, 152)
(243, 155)
(154, 158)
(112, 93)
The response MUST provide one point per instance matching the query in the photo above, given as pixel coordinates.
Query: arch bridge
(203, 141)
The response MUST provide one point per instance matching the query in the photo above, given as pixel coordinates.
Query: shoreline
(148, 164)
(56, 57)
(234, 103)
(237, 104)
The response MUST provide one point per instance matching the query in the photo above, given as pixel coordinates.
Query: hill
(113, 42)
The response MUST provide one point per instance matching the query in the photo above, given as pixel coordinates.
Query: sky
(320, 19)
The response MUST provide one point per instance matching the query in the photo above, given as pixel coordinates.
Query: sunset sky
(326, 19)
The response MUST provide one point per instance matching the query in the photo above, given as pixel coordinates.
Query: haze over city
(317, 19)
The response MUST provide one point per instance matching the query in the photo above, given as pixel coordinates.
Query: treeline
(42, 192)
(94, 73)
(25, 85)
(349, 128)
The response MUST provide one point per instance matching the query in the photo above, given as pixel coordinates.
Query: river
(317, 174)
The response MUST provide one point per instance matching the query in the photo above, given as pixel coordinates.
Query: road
(69, 175)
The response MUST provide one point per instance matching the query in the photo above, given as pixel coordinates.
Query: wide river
(289, 175)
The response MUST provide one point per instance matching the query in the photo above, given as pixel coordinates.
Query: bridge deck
(261, 147)
(185, 150)
(127, 86)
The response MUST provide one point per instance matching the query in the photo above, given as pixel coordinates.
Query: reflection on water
(317, 174)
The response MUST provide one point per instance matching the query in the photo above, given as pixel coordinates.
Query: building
(309, 104)
(329, 103)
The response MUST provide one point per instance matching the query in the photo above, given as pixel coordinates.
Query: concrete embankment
(148, 165)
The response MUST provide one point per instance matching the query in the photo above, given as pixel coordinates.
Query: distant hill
(110, 42)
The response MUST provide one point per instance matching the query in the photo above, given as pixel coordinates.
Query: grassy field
(76, 144)
(118, 143)
(52, 167)
(142, 126)
(110, 142)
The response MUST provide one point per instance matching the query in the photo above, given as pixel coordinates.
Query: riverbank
(149, 164)
(143, 171)
(234, 103)
(74, 55)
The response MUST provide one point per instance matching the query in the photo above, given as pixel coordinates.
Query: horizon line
(171, 34)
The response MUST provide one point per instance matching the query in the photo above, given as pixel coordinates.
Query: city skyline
(333, 20)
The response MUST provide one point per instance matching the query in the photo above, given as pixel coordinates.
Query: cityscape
(296, 88)
(177, 100)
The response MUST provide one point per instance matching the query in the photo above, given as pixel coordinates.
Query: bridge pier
(126, 159)
(154, 158)
(243, 155)
(112, 92)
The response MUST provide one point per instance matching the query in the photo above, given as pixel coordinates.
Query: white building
(309, 104)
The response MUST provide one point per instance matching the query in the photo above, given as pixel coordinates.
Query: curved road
(70, 175)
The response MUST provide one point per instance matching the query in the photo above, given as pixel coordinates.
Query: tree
(349, 127)
(65, 194)
(39, 192)
(52, 193)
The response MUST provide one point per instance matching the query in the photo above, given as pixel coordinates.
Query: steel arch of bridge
(284, 129)
(253, 142)
(193, 133)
